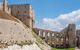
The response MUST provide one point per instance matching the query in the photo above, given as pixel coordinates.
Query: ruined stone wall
(69, 36)
(50, 37)
(65, 38)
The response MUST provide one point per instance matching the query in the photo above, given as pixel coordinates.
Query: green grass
(63, 49)
(24, 43)
(39, 40)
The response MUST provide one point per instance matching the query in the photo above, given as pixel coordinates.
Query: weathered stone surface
(25, 47)
(12, 31)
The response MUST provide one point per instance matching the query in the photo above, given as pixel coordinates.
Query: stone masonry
(65, 38)
(68, 37)
(23, 12)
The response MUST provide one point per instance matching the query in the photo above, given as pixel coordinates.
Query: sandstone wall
(24, 13)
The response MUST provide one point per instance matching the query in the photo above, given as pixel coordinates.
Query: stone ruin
(68, 37)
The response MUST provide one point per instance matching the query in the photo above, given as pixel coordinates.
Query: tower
(72, 35)
(23, 12)
(5, 5)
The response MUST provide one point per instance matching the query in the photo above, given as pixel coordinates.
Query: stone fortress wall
(66, 38)
(23, 12)
(14, 31)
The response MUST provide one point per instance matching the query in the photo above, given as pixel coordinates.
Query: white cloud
(62, 20)
(51, 22)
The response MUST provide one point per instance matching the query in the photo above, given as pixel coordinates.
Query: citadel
(68, 37)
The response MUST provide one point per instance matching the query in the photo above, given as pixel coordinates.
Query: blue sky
(51, 10)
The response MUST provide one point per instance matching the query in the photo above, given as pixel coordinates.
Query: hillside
(13, 31)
